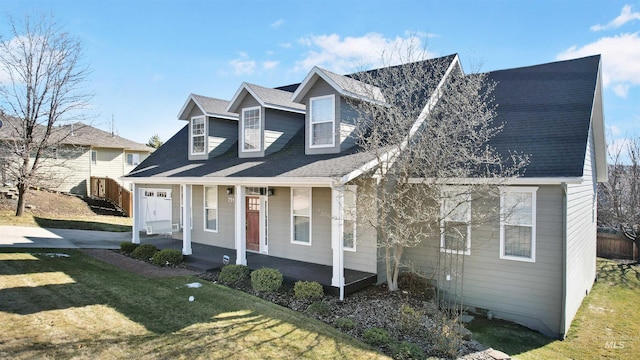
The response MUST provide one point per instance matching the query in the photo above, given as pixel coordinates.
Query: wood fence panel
(616, 246)
(109, 189)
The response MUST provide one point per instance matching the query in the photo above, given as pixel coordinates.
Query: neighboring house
(80, 152)
(266, 171)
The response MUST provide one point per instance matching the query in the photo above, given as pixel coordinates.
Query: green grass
(81, 308)
(607, 324)
(97, 222)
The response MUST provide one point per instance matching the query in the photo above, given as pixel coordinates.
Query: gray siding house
(267, 173)
(79, 151)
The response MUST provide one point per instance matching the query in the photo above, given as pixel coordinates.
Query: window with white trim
(349, 219)
(211, 208)
(251, 129)
(322, 121)
(198, 134)
(455, 226)
(518, 223)
(94, 157)
(133, 159)
(301, 216)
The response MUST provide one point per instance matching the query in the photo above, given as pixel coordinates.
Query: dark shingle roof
(546, 111)
(171, 160)
(212, 106)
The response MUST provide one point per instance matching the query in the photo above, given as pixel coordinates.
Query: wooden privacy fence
(616, 246)
(109, 189)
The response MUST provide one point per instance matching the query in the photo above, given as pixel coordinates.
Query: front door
(253, 223)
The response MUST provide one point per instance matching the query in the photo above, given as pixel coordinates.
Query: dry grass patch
(78, 307)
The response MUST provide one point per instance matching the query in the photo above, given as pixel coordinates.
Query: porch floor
(208, 258)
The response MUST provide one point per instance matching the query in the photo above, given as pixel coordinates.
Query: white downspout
(563, 315)
(337, 245)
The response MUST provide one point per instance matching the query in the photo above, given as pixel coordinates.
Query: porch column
(337, 245)
(186, 220)
(135, 226)
(240, 230)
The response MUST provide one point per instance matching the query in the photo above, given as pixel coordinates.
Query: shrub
(128, 246)
(319, 308)
(308, 290)
(233, 274)
(409, 319)
(445, 337)
(266, 280)
(144, 252)
(417, 285)
(345, 324)
(407, 350)
(167, 257)
(376, 336)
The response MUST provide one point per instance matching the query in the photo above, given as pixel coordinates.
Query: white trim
(445, 218)
(248, 181)
(242, 129)
(310, 194)
(204, 134)
(205, 208)
(500, 181)
(519, 189)
(332, 121)
(337, 248)
(264, 224)
(239, 221)
(186, 234)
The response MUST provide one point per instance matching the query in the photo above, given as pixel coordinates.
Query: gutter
(563, 313)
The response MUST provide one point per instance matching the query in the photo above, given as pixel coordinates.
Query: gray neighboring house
(80, 152)
(264, 173)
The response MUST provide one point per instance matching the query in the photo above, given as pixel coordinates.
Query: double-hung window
(322, 121)
(518, 224)
(211, 208)
(349, 219)
(133, 159)
(301, 215)
(94, 157)
(251, 129)
(198, 129)
(455, 226)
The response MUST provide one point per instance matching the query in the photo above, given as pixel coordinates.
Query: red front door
(253, 223)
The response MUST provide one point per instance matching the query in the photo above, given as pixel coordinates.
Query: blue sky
(148, 56)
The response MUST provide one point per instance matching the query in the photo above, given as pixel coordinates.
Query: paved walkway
(35, 237)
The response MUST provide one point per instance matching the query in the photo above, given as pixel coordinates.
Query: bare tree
(42, 74)
(429, 137)
(619, 198)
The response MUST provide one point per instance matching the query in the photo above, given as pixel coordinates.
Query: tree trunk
(22, 192)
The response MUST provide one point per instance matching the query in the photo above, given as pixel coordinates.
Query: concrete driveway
(34, 237)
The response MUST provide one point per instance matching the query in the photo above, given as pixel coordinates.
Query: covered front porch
(209, 258)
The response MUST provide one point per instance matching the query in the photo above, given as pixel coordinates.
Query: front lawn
(607, 324)
(53, 306)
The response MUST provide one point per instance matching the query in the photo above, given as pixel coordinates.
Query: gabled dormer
(212, 129)
(268, 119)
(330, 119)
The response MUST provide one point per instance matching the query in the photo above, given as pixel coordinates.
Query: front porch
(207, 258)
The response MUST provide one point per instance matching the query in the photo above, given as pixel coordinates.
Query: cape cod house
(265, 173)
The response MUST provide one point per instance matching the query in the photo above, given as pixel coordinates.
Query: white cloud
(270, 64)
(620, 59)
(277, 23)
(351, 53)
(614, 130)
(242, 67)
(625, 16)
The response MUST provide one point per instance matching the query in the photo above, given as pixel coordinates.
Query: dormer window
(322, 120)
(198, 133)
(251, 129)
